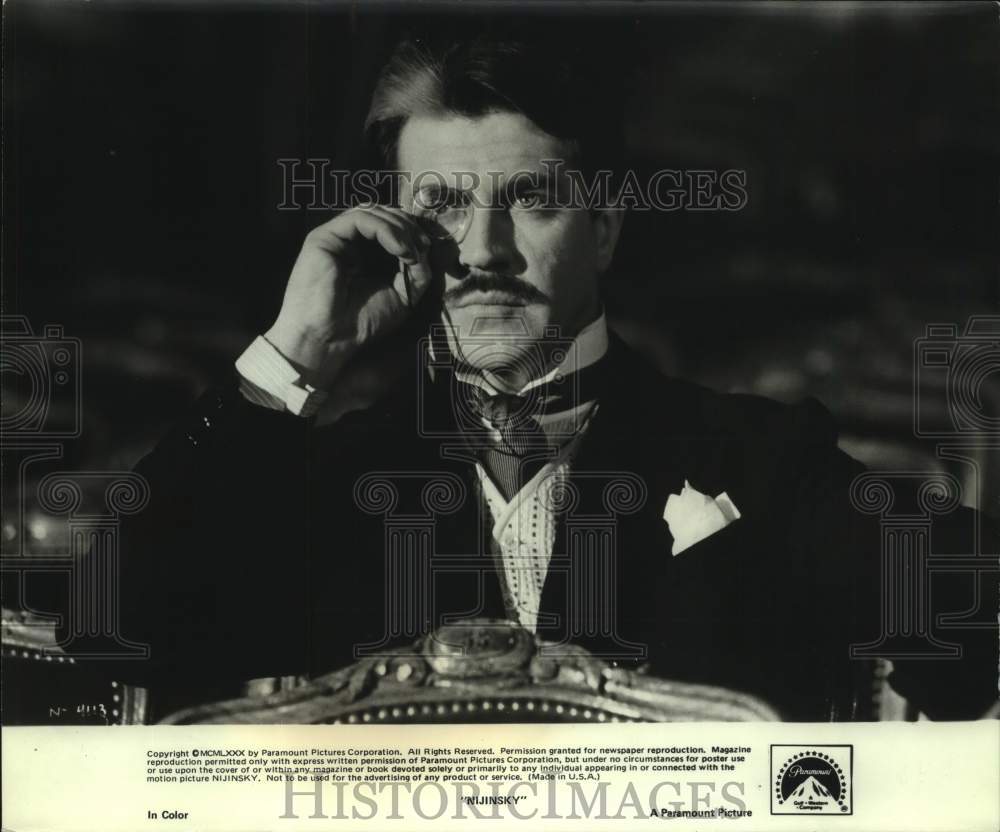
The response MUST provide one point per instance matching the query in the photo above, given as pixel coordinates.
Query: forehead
(495, 143)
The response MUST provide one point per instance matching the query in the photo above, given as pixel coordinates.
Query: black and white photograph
(500, 363)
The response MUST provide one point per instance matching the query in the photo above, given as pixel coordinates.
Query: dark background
(141, 187)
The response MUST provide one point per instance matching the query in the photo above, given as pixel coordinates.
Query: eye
(528, 200)
(430, 199)
(435, 201)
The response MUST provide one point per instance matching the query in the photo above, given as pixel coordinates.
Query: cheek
(557, 249)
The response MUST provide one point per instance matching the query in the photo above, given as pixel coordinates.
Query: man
(521, 466)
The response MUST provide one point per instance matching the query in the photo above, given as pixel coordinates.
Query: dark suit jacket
(272, 547)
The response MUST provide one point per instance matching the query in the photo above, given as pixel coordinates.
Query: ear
(607, 227)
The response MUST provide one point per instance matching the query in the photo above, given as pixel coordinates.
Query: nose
(488, 245)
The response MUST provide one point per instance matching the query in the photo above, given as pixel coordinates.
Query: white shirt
(524, 528)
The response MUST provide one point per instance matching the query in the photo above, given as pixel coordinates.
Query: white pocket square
(692, 516)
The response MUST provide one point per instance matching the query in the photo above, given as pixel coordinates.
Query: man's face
(517, 267)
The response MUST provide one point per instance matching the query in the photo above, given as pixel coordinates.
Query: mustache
(495, 283)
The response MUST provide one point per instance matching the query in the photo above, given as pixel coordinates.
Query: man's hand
(332, 307)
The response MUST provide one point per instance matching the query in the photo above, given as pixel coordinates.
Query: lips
(477, 298)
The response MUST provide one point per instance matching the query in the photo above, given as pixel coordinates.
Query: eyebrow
(535, 180)
(520, 181)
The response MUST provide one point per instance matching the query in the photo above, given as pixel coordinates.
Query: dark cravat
(516, 449)
(502, 429)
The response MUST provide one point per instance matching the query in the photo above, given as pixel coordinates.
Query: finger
(412, 280)
(349, 226)
(404, 222)
(408, 219)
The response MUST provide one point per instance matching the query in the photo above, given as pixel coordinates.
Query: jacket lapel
(613, 542)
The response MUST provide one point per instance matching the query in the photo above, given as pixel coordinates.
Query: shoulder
(701, 411)
(741, 415)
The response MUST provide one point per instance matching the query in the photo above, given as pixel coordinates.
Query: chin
(501, 339)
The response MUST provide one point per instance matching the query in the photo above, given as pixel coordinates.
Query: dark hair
(559, 83)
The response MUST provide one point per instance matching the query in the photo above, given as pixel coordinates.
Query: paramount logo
(811, 780)
(810, 793)
(798, 771)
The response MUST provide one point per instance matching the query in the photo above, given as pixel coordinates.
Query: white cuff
(267, 369)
